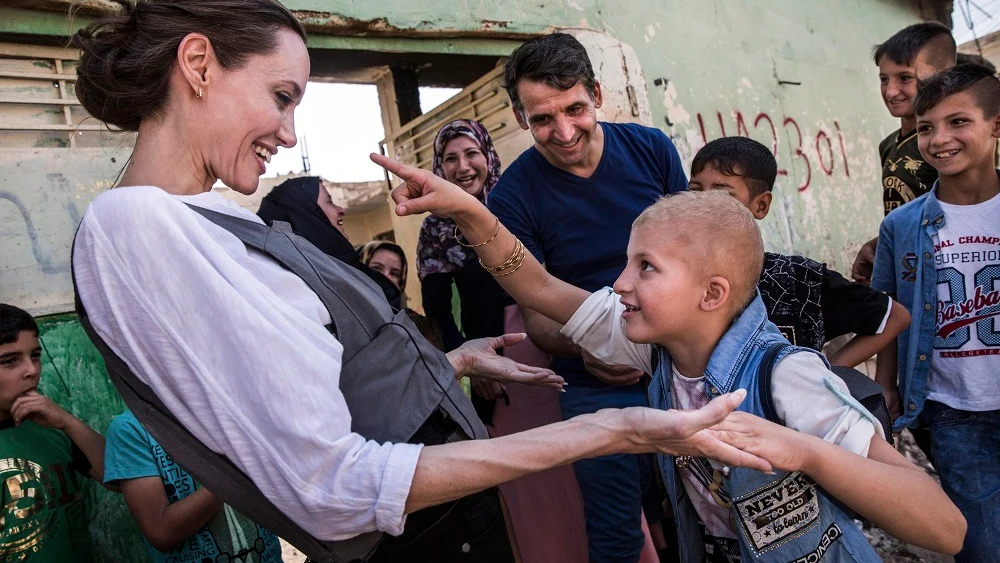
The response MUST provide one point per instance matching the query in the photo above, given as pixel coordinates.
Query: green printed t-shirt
(131, 453)
(42, 514)
(905, 175)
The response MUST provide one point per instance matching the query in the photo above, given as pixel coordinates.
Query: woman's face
(247, 113)
(387, 263)
(464, 164)
(334, 213)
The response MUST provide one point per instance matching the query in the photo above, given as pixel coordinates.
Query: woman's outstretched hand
(422, 191)
(695, 433)
(479, 358)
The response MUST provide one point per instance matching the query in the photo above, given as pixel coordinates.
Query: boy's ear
(716, 294)
(760, 205)
(996, 127)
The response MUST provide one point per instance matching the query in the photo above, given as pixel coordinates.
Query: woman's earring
(199, 91)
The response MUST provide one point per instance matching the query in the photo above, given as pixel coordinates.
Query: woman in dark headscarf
(463, 155)
(306, 205)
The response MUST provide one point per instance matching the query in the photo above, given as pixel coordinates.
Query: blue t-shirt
(579, 227)
(131, 453)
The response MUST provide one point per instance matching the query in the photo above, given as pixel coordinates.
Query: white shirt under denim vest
(778, 518)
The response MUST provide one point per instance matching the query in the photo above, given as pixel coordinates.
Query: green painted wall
(73, 376)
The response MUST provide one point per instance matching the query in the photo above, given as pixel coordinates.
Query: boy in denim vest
(688, 297)
(940, 256)
(808, 302)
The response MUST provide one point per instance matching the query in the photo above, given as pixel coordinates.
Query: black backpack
(864, 390)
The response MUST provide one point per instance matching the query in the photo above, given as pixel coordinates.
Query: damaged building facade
(797, 76)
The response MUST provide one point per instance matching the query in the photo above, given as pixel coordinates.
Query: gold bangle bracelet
(458, 237)
(507, 263)
(512, 263)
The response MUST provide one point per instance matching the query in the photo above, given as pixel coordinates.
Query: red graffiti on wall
(804, 154)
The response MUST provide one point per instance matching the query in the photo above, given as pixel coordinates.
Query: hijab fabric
(294, 202)
(437, 250)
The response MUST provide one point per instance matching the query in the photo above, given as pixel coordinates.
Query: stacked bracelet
(458, 237)
(512, 264)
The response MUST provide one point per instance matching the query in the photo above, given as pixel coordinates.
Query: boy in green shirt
(44, 450)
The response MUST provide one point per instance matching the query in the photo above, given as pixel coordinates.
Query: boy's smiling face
(954, 136)
(711, 178)
(660, 291)
(899, 82)
(20, 368)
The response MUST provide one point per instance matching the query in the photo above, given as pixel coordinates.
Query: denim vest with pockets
(778, 518)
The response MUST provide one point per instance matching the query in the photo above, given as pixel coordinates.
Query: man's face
(20, 368)
(899, 82)
(562, 122)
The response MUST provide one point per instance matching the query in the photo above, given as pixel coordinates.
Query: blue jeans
(610, 485)
(966, 448)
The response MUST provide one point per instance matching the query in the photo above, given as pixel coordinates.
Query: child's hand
(610, 374)
(692, 432)
(785, 448)
(39, 409)
(422, 191)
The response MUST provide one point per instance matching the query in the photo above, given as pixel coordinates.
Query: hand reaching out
(423, 191)
(610, 374)
(479, 358)
(706, 432)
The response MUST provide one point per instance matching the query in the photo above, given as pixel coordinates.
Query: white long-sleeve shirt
(235, 347)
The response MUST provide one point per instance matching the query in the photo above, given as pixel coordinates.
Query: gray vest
(392, 379)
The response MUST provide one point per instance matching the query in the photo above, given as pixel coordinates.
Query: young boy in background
(940, 256)
(913, 53)
(688, 298)
(44, 451)
(810, 303)
(179, 521)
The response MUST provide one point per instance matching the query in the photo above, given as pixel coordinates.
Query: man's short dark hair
(739, 156)
(903, 47)
(975, 79)
(14, 321)
(558, 60)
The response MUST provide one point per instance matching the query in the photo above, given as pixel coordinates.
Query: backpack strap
(764, 381)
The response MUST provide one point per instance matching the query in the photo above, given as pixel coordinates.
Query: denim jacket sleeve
(884, 274)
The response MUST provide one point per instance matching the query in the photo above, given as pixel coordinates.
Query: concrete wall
(795, 75)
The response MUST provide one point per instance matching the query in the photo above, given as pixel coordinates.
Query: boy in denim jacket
(688, 297)
(940, 256)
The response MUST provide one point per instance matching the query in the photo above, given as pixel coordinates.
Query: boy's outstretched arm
(881, 487)
(862, 347)
(529, 284)
(43, 411)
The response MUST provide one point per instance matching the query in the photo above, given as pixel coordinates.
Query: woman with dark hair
(388, 259)
(246, 353)
(307, 206)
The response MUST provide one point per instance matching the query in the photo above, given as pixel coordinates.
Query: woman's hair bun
(123, 75)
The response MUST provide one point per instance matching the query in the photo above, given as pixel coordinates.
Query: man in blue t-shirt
(571, 199)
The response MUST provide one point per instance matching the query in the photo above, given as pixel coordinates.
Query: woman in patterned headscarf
(463, 155)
